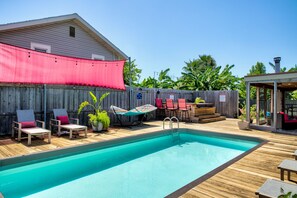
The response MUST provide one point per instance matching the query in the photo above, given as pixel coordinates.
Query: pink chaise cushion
(29, 124)
(63, 119)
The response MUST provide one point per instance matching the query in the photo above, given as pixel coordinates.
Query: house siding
(83, 45)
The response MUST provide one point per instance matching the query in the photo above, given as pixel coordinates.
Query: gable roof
(71, 17)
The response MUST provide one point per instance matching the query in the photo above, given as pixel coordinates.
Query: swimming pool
(150, 165)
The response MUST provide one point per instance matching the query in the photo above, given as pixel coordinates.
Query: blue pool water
(148, 168)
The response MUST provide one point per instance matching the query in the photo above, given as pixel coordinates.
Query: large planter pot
(242, 125)
(97, 128)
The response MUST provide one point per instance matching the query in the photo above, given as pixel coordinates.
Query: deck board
(240, 179)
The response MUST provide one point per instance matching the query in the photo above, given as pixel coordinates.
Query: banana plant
(99, 115)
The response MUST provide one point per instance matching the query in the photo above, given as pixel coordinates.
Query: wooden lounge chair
(26, 123)
(61, 121)
(275, 188)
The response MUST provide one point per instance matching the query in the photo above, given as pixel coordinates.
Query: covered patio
(273, 101)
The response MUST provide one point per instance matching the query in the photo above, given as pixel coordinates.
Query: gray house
(67, 35)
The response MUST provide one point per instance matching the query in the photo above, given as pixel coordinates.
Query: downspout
(130, 87)
(44, 103)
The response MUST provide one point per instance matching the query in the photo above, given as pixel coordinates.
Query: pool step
(207, 120)
(215, 115)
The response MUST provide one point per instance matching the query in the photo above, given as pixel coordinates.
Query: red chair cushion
(169, 104)
(29, 124)
(291, 121)
(286, 117)
(159, 103)
(63, 119)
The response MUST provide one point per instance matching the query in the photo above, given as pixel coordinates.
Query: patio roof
(286, 81)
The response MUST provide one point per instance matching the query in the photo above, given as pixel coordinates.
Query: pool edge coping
(196, 182)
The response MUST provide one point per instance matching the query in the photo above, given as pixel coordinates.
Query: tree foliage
(257, 69)
(293, 69)
(135, 73)
(282, 69)
(163, 81)
(204, 74)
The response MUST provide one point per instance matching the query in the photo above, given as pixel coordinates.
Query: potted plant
(243, 124)
(253, 113)
(199, 100)
(99, 119)
(262, 118)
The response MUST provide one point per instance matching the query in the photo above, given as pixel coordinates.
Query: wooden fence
(13, 97)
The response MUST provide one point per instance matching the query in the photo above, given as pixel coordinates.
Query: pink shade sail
(20, 65)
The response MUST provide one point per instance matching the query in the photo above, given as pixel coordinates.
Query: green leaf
(94, 98)
(103, 96)
(82, 106)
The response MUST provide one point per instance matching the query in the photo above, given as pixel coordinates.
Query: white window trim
(41, 46)
(98, 57)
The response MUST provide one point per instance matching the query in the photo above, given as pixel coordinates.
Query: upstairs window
(97, 57)
(41, 47)
(72, 31)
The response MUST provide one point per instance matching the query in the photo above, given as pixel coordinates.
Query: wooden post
(271, 100)
(258, 106)
(247, 101)
(275, 106)
(265, 102)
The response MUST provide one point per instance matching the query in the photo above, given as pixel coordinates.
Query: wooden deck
(241, 179)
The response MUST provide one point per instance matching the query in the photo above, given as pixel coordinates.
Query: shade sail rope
(20, 65)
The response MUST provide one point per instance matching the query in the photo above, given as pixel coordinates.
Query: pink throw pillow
(286, 117)
(28, 124)
(63, 119)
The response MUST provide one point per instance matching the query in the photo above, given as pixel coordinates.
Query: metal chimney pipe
(277, 64)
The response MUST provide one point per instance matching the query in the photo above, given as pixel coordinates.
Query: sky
(161, 34)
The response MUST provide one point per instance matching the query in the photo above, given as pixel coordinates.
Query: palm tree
(257, 69)
(164, 80)
(203, 74)
(148, 82)
(207, 61)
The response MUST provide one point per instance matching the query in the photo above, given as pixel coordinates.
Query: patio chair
(275, 188)
(183, 108)
(61, 121)
(160, 108)
(170, 107)
(26, 123)
(140, 111)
